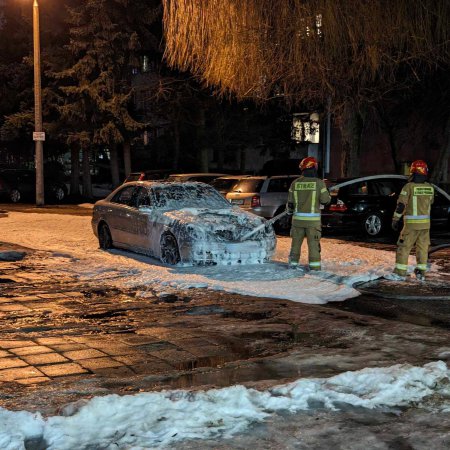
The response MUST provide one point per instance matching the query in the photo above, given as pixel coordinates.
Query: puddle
(418, 311)
(11, 256)
(227, 376)
(250, 315)
(205, 310)
(409, 290)
(104, 314)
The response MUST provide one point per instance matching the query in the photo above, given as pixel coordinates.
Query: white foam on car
(205, 226)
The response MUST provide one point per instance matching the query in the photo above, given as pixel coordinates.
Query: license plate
(237, 201)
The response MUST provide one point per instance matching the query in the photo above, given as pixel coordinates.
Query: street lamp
(38, 135)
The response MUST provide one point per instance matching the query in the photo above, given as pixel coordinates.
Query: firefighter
(306, 194)
(414, 205)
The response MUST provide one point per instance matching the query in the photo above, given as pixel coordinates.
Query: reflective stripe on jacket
(417, 198)
(307, 194)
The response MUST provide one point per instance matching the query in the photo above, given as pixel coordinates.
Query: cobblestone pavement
(63, 340)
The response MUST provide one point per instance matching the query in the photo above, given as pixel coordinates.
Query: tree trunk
(389, 128)
(114, 165)
(440, 171)
(204, 160)
(220, 155)
(127, 157)
(75, 170)
(87, 182)
(176, 144)
(242, 157)
(351, 130)
(204, 153)
(220, 144)
(394, 149)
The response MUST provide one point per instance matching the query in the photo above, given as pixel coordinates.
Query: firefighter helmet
(419, 167)
(308, 163)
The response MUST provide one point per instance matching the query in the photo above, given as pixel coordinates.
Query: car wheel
(169, 249)
(373, 224)
(104, 237)
(15, 195)
(282, 225)
(59, 194)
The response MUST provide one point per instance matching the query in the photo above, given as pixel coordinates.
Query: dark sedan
(17, 185)
(368, 204)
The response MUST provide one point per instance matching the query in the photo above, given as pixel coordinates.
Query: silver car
(189, 223)
(264, 196)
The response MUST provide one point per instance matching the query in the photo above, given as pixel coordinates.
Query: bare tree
(354, 52)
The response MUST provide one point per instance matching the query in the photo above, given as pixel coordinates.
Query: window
(248, 185)
(177, 196)
(280, 185)
(225, 184)
(124, 196)
(143, 198)
(386, 188)
(361, 188)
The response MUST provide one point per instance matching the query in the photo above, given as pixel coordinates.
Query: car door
(27, 184)
(387, 191)
(119, 215)
(276, 196)
(142, 217)
(359, 199)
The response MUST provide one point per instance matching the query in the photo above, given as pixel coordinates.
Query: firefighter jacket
(306, 194)
(414, 204)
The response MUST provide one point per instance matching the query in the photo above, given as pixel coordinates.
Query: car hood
(227, 224)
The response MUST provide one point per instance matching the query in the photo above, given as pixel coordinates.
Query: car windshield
(188, 195)
(249, 185)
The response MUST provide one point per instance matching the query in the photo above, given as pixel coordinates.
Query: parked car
(148, 175)
(187, 223)
(368, 204)
(264, 196)
(202, 177)
(17, 185)
(226, 184)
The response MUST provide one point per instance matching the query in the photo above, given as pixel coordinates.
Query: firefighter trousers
(313, 235)
(406, 241)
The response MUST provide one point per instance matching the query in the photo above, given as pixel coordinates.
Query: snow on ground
(160, 419)
(73, 248)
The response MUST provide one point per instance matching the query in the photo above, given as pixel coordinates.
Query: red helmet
(308, 163)
(419, 167)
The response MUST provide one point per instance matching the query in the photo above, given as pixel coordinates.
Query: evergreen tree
(106, 41)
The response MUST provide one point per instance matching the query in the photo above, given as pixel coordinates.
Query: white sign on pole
(38, 136)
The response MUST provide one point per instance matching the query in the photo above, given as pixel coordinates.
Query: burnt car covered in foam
(188, 223)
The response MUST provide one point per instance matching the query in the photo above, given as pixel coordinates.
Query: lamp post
(38, 135)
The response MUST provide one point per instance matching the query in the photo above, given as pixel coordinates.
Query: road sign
(38, 136)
